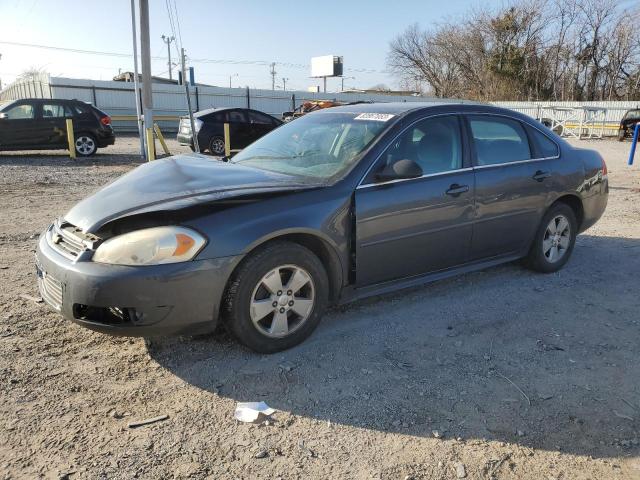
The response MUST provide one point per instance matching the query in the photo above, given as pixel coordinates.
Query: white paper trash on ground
(251, 411)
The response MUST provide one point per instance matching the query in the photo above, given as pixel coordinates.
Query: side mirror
(400, 169)
(3, 115)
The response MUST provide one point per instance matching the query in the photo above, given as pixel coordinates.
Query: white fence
(169, 101)
(118, 100)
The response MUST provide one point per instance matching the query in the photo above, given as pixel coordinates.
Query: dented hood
(174, 183)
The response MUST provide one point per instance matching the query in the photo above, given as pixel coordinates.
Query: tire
(551, 250)
(85, 144)
(216, 146)
(265, 321)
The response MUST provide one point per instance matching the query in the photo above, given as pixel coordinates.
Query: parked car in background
(628, 123)
(40, 124)
(245, 126)
(340, 204)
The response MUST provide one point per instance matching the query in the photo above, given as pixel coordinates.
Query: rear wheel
(85, 145)
(276, 298)
(216, 146)
(554, 240)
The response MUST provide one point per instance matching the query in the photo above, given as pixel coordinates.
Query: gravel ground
(502, 374)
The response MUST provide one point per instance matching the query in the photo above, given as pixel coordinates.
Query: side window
(544, 146)
(433, 143)
(499, 140)
(20, 112)
(54, 110)
(236, 116)
(261, 118)
(80, 109)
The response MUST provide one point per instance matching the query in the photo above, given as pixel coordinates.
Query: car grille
(69, 239)
(50, 290)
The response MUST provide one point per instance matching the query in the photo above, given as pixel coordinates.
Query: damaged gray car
(340, 204)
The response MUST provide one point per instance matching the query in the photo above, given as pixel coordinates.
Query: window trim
(464, 143)
(468, 145)
(474, 157)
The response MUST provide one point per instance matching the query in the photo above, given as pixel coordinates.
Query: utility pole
(230, 77)
(135, 78)
(284, 83)
(168, 40)
(194, 134)
(145, 57)
(343, 78)
(273, 75)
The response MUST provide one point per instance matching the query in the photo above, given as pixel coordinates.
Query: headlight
(151, 246)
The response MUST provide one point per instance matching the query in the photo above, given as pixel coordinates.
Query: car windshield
(3, 105)
(320, 146)
(635, 114)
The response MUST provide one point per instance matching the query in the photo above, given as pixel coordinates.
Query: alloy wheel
(85, 145)
(217, 146)
(282, 301)
(557, 239)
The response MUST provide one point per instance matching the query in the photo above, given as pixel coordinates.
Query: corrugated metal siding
(117, 99)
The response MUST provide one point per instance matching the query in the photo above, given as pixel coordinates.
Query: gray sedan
(338, 205)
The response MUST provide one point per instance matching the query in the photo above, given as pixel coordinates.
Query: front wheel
(276, 298)
(554, 240)
(85, 145)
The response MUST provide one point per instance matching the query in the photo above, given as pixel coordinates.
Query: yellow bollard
(71, 138)
(151, 144)
(156, 129)
(227, 141)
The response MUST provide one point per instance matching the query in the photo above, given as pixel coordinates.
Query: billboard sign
(326, 66)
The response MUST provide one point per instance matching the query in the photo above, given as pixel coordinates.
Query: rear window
(499, 140)
(544, 145)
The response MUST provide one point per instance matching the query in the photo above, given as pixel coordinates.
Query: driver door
(410, 227)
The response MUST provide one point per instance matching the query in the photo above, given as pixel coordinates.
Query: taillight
(604, 168)
(106, 120)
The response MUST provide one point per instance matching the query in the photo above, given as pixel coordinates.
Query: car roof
(207, 111)
(394, 107)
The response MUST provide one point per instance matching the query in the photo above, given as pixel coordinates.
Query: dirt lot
(500, 374)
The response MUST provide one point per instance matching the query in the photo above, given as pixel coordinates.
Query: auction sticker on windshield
(379, 117)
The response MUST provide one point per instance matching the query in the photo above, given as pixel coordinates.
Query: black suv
(628, 123)
(40, 124)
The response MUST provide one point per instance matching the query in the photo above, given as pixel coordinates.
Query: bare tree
(526, 50)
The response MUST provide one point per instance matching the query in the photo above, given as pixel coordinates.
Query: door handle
(455, 189)
(540, 175)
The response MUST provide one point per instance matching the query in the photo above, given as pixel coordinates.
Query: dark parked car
(245, 126)
(628, 124)
(40, 124)
(338, 205)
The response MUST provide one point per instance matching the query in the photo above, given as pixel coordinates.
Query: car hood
(174, 183)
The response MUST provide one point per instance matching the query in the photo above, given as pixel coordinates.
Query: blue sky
(250, 30)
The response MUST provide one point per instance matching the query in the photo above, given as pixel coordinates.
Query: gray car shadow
(544, 361)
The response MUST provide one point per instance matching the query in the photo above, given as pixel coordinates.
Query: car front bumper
(172, 299)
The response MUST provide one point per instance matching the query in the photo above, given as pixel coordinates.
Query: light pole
(231, 76)
(168, 41)
(348, 78)
(284, 83)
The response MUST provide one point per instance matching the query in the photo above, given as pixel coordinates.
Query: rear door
(19, 127)
(513, 182)
(239, 129)
(261, 124)
(416, 226)
(53, 122)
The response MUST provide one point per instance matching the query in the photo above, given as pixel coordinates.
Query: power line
(193, 60)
